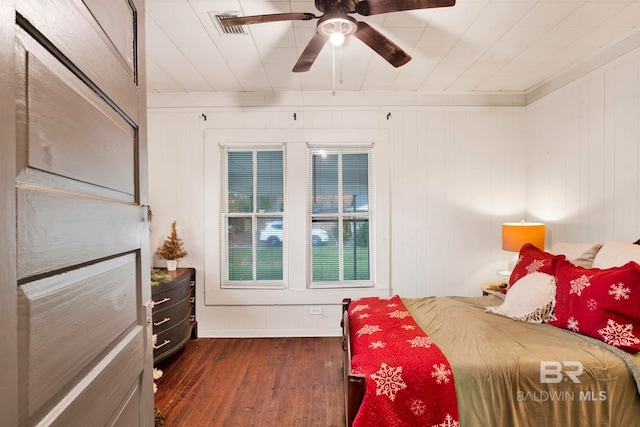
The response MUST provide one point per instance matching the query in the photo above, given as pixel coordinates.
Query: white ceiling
(474, 46)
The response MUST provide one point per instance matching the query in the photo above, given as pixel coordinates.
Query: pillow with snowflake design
(533, 260)
(600, 303)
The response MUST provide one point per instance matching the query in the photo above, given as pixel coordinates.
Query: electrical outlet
(315, 310)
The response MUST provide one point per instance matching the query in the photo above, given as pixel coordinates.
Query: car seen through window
(271, 234)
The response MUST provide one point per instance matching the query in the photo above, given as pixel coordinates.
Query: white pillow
(581, 254)
(530, 299)
(615, 253)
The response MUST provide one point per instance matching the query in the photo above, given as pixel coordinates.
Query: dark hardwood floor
(260, 382)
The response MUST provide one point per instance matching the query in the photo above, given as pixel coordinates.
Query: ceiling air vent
(219, 16)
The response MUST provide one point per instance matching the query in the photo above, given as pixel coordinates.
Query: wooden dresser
(174, 312)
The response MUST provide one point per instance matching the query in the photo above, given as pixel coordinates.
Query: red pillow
(601, 303)
(531, 260)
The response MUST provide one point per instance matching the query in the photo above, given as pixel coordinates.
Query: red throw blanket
(408, 379)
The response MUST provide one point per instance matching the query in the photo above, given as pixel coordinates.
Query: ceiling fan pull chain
(333, 70)
(340, 65)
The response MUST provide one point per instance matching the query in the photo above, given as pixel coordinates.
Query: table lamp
(515, 235)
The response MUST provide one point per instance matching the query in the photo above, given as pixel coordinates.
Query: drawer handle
(165, 320)
(192, 283)
(155, 347)
(193, 299)
(192, 318)
(163, 300)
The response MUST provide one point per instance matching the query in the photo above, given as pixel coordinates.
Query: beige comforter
(499, 381)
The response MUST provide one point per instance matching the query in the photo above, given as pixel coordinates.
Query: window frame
(255, 215)
(340, 149)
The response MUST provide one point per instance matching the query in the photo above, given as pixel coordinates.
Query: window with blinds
(252, 217)
(340, 215)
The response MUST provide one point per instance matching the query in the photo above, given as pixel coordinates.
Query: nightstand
(493, 288)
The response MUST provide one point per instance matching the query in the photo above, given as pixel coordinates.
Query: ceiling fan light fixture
(337, 28)
(336, 39)
(335, 19)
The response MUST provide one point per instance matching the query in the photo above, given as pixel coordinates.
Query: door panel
(101, 394)
(88, 308)
(63, 125)
(57, 230)
(68, 28)
(79, 285)
(111, 15)
(130, 415)
(70, 142)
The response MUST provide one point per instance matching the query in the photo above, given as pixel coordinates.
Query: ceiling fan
(335, 24)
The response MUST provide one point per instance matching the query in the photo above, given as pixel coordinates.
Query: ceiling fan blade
(382, 45)
(259, 19)
(310, 53)
(375, 7)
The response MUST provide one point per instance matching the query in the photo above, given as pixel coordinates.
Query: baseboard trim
(269, 333)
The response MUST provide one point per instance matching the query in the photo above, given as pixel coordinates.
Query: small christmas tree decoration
(171, 249)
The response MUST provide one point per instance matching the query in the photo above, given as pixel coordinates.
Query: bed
(508, 371)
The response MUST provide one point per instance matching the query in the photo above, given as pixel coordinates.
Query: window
(252, 217)
(340, 216)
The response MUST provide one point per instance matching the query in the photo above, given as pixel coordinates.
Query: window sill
(314, 296)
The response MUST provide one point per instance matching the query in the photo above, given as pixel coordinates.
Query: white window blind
(253, 216)
(340, 215)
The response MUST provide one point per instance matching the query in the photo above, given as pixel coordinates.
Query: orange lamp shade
(516, 234)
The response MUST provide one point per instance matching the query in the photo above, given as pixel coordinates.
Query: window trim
(224, 215)
(297, 291)
(343, 148)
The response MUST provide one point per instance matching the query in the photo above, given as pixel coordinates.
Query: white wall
(450, 175)
(584, 155)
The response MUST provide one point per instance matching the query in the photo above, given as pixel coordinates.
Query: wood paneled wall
(584, 156)
(456, 176)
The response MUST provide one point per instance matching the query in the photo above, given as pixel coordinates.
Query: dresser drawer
(172, 339)
(166, 295)
(169, 316)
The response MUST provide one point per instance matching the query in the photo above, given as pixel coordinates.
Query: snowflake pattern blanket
(408, 378)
